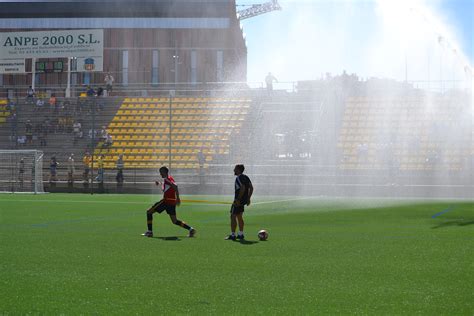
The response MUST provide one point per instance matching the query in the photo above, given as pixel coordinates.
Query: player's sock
(232, 233)
(183, 224)
(149, 221)
(241, 233)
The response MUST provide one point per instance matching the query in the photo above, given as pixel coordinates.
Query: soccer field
(82, 254)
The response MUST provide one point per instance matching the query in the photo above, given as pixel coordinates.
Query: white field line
(253, 203)
(72, 201)
(106, 202)
(151, 201)
(287, 200)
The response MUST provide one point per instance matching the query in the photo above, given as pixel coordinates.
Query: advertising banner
(89, 64)
(12, 66)
(86, 45)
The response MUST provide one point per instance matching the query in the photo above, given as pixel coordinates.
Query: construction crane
(258, 9)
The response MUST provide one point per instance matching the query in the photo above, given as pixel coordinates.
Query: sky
(460, 13)
(417, 40)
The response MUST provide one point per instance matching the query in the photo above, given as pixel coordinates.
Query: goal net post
(21, 171)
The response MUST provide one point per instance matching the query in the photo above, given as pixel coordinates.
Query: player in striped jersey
(168, 203)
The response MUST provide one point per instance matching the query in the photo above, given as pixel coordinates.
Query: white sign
(52, 44)
(89, 64)
(12, 66)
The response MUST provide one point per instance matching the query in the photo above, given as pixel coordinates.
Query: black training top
(239, 181)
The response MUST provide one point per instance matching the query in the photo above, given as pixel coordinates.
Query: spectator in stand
(90, 98)
(109, 81)
(100, 170)
(53, 166)
(269, 81)
(71, 169)
(53, 103)
(100, 99)
(69, 124)
(66, 107)
(21, 140)
(108, 141)
(62, 124)
(77, 130)
(30, 95)
(120, 166)
(80, 135)
(90, 92)
(29, 132)
(11, 105)
(87, 160)
(39, 104)
(103, 134)
(13, 124)
(80, 105)
(94, 135)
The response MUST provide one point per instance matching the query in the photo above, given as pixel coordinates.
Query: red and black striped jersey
(169, 194)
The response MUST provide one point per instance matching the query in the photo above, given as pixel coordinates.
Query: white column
(33, 72)
(68, 87)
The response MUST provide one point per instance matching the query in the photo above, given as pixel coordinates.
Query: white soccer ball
(262, 235)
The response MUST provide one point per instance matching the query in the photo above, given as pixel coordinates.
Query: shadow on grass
(246, 242)
(457, 222)
(169, 238)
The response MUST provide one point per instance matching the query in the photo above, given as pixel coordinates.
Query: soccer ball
(263, 235)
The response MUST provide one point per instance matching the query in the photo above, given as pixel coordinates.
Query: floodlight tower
(258, 9)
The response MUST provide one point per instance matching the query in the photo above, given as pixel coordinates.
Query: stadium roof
(117, 9)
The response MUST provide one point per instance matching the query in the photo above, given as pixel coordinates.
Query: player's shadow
(246, 242)
(169, 238)
(458, 222)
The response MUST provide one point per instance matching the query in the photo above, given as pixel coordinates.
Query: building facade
(146, 43)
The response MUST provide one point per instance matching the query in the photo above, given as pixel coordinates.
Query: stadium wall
(141, 40)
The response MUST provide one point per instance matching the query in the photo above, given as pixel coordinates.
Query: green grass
(82, 254)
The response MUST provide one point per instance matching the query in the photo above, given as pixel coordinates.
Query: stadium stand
(405, 134)
(52, 129)
(144, 130)
(333, 142)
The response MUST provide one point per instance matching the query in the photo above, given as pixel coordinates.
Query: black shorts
(237, 209)
(161, 206)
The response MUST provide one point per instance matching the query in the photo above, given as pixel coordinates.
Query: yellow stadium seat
(141, 127)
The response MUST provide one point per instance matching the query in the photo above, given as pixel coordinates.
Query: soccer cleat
(230, 237)
(192, 232)
(240, 237)
(148, 234)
